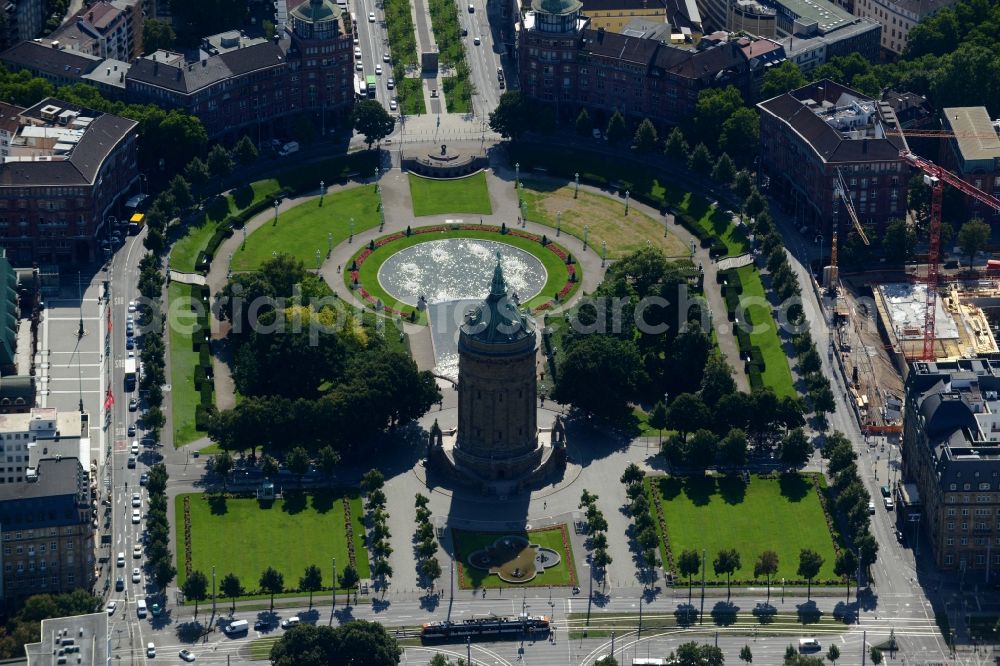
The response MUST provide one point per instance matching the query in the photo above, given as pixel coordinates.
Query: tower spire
(498, 288)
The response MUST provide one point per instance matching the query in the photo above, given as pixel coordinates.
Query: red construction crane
(936, 177)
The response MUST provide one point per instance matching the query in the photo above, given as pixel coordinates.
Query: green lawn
(462, 195)
(783, 515)
(183, 359)
(457, 94)
(564, 574)
(411, 96)
(303, 229)
(776, 372)
(554, 266)
(238, 536)
(719, 224)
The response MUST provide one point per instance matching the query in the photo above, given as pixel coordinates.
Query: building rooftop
(88, 633)
(616, 46)
(621, 5)
(8, 117)
(110, 72)
(497, 320)
(803, 41)
(977, 136)
(45, 421)
(192, 77)
(840, 124)
(62, 144)
(53, 62)
(228, 41)
(923, 7)
(826, 14)
(56, 477)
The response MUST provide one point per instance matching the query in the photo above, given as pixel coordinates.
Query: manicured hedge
(201, 417)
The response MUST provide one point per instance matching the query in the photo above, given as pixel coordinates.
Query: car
(809, 645)
(471, 8)
(596, 133)
(144, 478)
(137, 551)
(135, 448)
(131, 430)
(476, 40)
(356, 39)
(131, 354)
(392, 105)
(357, 52)
(434, 93)
(288, 623)
(136, 575)
(501, 84)
(136, 516)
(378, 70)
(371, 17)
(129, 329)
(390, 83)
(150, 650)
(130, 344)
(887, 501)
(131, 462)
(500, 73)
(871, 507)
(130, 318)
(359, 67)
(133, 405)
(186, 655)
(119, 584)
(465, 32)
(155, 609)
(385, 56)
(111, 607)
(121, 558)
(262, 625)
(136, 500)
(886, 492)
(131, 306)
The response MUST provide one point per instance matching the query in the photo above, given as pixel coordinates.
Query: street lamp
(604, 252)
(350, 230)
(666, 225)
(334, 604)
(329, 244)
(276, 203)
(558, 223)
(586, 233)
(319, 262)
(524, 213)
(626, 202)
(576, 179)
(322, 191)
(517, 173)
(244, 235)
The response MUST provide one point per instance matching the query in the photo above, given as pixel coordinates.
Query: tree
(633, 474)
(195, 587)
(163, 572)
(658, 418)
(741, 136)
(223, 465)
(297, 461)
(833, 654)
(513, 115)
(717, 380)
(156, 35)
(430, 569)
(600, 374)
(197, 173)
(606, 660)
(231, 587)
(898, 242)
(349, 578)
(645, 136)
(687, 413)
(845, 566)
(713, 107)
(180, 190)
(767, 565)
(733, 448)
(220, 163)
(312, 581)
(754, 204)
(269, 466)
(616, 130)
(724, 170)
(876, 655)
(742, 184)
(354, 642)
(693, 654)
(973, 237)
(328, 459)
(702, 448)
(746, 655)
(245, 151)
(370, 119)
(372, 480)
(383, 572)
(700, 160)
(272, 582)
(781, 79)
(677, 146)
(727, 562)
(810, 562)
(795, 448)
(584, 125)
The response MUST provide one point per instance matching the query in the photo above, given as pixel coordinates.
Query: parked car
(133, 405)
(130, 344)
(385, 56)
(131, 306)
(131, 430)
(150, 650)
(186, 655)
(885, 491)
(371, 17)
(290, 622)
(144, 478)
(111, 607)
(135, 447)
(871, 507)
(596, 133)
(392, 105)
(136, 516)
(476, 41)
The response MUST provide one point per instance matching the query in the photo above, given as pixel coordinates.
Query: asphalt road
(483, 58)
(373, 42)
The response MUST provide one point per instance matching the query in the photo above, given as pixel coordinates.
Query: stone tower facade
(497, 434)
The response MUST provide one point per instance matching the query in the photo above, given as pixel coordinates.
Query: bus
(370, 83)
(136, 223)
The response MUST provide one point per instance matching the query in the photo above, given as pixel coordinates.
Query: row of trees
(643, 527)
(372, 484)
(850, 496)
(425, 546)
(354, 642)
(597, 527)
(158, 551)
(152, 355)
(728, 561)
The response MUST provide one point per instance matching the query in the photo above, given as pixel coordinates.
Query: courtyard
(240, 535)
(710, 513)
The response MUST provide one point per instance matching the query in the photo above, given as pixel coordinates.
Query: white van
(237, 627)
(289, 148)
(809, 645)
(140, 608)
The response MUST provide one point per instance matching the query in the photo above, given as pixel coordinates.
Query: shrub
(757, 358)
(205, 354)
(743, 340)
(199, 377)
(718, 249)
(206, 393)
(202, 416)
(756, 381)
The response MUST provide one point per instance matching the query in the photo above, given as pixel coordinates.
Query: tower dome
(316, 19)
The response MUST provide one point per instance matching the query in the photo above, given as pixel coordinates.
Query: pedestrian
(545, 504)
(480, 221)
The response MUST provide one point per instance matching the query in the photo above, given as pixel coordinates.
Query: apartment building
(812, 136)
(614, 15)
(809, 46)
(106, 29)
(66, 168)
(951, 454)
(974, 154)
(897, 18)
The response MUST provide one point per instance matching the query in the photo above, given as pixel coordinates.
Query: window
(949, 541)
(984, 486)
(964, 541)
(949, 559)
(951, 525)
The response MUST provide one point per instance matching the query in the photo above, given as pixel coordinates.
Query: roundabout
(392, 272)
